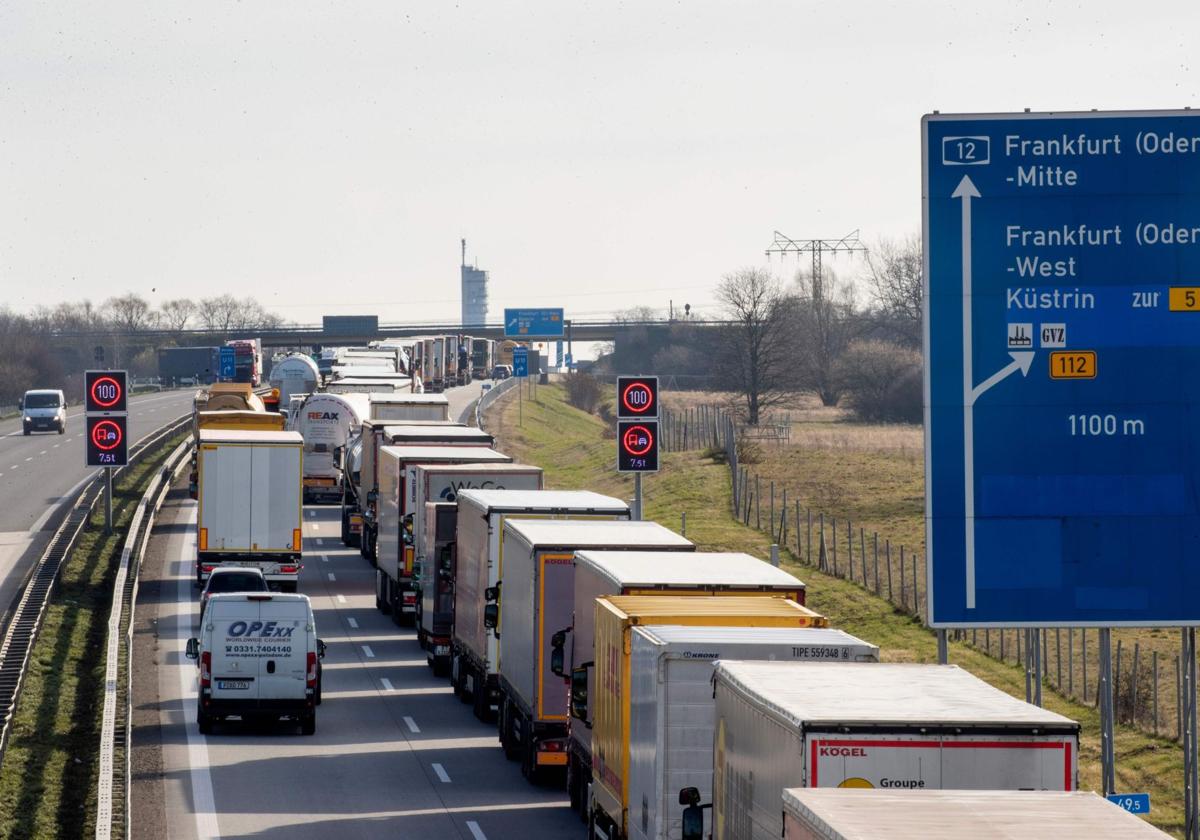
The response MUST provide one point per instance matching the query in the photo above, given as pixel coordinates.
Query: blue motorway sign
(228, 367)
(1062, 348)
(520, 361)
(1135, 803)
(535, 323)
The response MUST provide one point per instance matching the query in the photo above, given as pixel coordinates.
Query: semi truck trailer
(327, 422)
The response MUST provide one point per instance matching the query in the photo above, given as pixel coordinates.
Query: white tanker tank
(327, 422)
(296, 374)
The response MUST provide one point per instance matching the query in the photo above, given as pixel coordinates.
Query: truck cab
(43, 411)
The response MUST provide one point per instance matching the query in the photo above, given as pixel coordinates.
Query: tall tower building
(474, 293)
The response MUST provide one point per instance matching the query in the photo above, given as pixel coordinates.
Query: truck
(357, 385)
(479, 564)
(249, 487)
(327, 422)
(227, 396)
(536, 603)
(294, 374)
(437, 365)
(395, 589)
(848, 814)
(599, 573)
(408, 407)
(377, 433)
(898, 726)
(259, 655)
(659, 739)
(482, 353)
(429, 485)
(262, 421)
(247, 360)
(199, 365)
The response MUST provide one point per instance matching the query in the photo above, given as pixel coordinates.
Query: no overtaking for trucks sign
(1062, 344)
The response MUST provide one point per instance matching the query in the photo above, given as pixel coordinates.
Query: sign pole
(637, 495)
(107, 501)
(1107, 755)
(943, 648)
(1188, 714)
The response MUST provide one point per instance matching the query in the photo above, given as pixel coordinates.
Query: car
(502, 371)
(43, 410)
(232, 579)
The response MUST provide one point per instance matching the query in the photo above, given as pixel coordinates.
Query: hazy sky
(327, 157)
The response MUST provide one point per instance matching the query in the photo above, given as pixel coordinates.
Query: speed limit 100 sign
(105, 392)
(637, 397)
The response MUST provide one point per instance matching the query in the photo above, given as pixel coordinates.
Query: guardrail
(120, 616)
(26, 623)
(490, 396)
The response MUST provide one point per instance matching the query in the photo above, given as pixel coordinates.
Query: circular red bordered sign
(97, 391)
(106, 435)
(635, 444)
(635, 391)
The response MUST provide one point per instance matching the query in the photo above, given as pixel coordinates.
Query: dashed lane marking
(353, 624)
(367, 652)
(411, 724)
(341, 599)
(475, 830)
(387, 684)
(331, 577)
(441, 773)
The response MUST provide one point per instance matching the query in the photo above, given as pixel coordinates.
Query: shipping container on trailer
(851, 813)
(250, 507)
(894, 726)
(600, 573)
(433, 483)
(669, 743)
(327, 422)
(395, 590)
(536, 603)
(615, 618)
(480, 564)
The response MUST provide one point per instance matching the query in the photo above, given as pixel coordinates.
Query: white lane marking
(353, 624)
(321, 541)
(475, 830)
(411, 724)
(387, 684)
(14, 466)
(441, 773)
(324, 559)
(55, 446)
(370, 654)
(197, 745)
(30, 458)
(311, 514)
(341, 599)
(331, 577)
(43, 452)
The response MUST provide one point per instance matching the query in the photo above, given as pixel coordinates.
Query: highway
(395, 754)
(39, 471)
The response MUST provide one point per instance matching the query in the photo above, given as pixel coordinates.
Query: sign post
(637, 430)
(520, 357)
(106, 407)
(1062, 332)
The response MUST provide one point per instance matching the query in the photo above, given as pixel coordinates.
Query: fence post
(1117, 685)
(1058, 658)
(821, 543)
(808, 513)
(799, 547)
(1154, 665)
(903, 582)
(1071, 661)
(835, 565)
(772, 513)
(1085, 691)
(862, 555)
(887, 552)
(875, 551)
(1001, 644)
(916, 591)
(683, 524)
(849, 551)
(1133, 704)
(757, 506)
(783, 519)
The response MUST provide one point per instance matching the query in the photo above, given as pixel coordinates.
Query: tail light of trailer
(312, 670)
(205, 669)
(289, 570)
(206, 568)
(204, 539)
(295, 539)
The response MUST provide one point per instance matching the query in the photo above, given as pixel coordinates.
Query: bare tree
(129, 313)
(219, 314)
(638, 315)
(894, 273)
(177, 313)
(882, 381)
(826, 322)
(756, 359)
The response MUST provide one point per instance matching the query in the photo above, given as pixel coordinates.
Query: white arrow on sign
(1021, 361)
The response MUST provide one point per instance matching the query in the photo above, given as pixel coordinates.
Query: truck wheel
(512, 748)
(204, 721)
(441, 666)
(308, 724)
(574, 788)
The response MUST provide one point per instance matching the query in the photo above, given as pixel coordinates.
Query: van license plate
(233, 685)
(441, 650)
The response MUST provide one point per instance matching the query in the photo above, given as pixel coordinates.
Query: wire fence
(1147, 683)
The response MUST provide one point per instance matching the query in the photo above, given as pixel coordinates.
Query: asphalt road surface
(395, 753)
(42, 470)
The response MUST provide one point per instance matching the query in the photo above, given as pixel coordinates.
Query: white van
(259, 657)
(44, 411)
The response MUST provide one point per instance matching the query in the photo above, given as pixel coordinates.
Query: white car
(259, 657)
(44, 411)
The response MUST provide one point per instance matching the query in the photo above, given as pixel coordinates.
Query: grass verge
(575, 453)
(48, 780)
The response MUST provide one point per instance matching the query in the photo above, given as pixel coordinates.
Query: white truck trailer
(669, 737)
(894, 726)
(295, 374)
(848, 814)
(327, 422)
(428, 486)
(407, 407)
(479, 564)
(600, 573)
(395, 590)
(250, 503)
(537, 590)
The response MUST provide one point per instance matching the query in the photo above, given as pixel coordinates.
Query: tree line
(51, 346)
